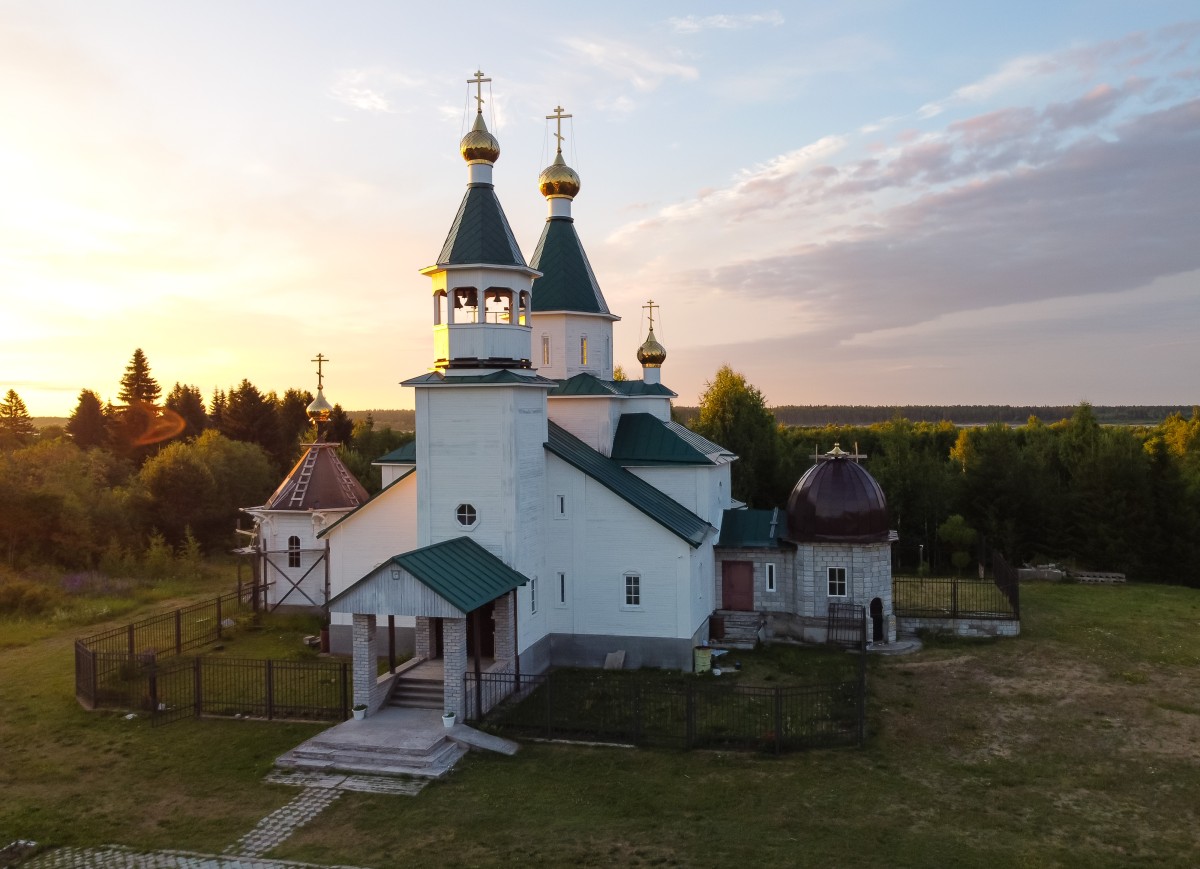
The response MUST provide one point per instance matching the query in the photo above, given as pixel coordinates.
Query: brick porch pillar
(506, 639)
(365, 660)
(454, 660)
(424, 638)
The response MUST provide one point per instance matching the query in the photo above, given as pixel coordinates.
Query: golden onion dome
(320, 409)
(651, 354)
(479, 144)
(559, 179)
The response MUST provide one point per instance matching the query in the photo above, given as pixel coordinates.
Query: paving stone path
(318, 791)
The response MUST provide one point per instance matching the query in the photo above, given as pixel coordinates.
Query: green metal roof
(751, 529)
(436, 378)
(480, 232)
(402, 455)
(589, 384)
(365, 504)
(663, 509)
(644, 439)
(567, 282)
(461, 571)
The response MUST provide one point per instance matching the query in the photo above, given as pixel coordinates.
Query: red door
(737, 585)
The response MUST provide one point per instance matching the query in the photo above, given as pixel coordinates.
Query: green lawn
(1076, 744)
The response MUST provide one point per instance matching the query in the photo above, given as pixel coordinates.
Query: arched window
(523, 313)
(439, 308)
(466, 299)
(293, 551)
(583, 350)
(497, 305)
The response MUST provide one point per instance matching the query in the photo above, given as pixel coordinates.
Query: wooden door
(737, 585)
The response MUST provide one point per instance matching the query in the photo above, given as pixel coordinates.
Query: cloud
(694, 24)
(643, 69)
(368, 89)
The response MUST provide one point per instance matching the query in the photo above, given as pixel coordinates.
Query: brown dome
(837, 501)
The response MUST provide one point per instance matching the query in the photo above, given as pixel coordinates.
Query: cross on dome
(320, 359)
(558, 117)
(478, 80)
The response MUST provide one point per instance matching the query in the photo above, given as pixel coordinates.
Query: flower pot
(360, 714)
(448, 720)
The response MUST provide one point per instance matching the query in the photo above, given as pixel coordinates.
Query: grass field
(1076, 744)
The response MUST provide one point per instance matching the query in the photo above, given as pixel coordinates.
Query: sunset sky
(853, 203)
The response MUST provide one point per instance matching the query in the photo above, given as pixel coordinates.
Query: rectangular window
(583, 350)
(560, 506)
(837, 582)
(633, 589)
(770, 566)
(545, 349)
(533, 594)
(562, 589)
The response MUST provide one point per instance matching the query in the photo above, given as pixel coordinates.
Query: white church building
(548, 514)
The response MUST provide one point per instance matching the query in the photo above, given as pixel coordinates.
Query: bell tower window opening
(523, 310)
(439, 308)
(293, 551)
(466, 299)
(583, 350)
(498, 303)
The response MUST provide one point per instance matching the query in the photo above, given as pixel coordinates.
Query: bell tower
(482, 286)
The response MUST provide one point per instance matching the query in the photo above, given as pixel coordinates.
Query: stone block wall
(366, 661)
(454, 659)
(967, 627)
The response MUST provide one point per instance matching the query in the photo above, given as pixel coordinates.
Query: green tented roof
(589, 384)
(567, 282)
(660, 507)
(402, 455)
(644, 439)
(436, 378)
(751, 529)
(365, 504)
(480, 232)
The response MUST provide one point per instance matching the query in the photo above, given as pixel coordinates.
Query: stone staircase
(413, 693)
(741, 629)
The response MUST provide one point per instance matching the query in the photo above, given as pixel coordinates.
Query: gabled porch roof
(447, 579)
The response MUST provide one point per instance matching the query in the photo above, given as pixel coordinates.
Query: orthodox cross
(558, 116)
(320, 360)
(649, 306)
(478, 81)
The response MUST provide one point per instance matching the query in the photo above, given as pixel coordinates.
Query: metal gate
(172, 689)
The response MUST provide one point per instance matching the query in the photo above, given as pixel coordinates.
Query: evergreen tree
(734, 414)
(250, 416)
(16, 426)
(137, 386)
(294, 423)
(186, 401)
(340, 428)
(88, 425)
(216, 409)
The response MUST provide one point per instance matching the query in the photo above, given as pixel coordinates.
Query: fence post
(132, 645)
(345, 690)
(778, 720)
(152, 683)
(270, 691)
(954, 598)
(218, 617)
(178, 632)
(197, 686)
(690, 716)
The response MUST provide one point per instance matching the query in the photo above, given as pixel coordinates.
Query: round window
(466, 514)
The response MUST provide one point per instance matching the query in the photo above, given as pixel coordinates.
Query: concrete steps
(741, 629)
(430, 761)
(418, 694)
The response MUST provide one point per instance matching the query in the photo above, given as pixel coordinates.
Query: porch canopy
(444, 580)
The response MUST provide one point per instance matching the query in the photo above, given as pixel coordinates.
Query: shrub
(24, 598)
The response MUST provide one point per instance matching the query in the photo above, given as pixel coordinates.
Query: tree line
(956, 414)
(122, 482)
(1102, 497)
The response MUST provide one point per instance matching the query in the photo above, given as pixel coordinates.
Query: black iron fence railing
(636, 708)
(952, 597)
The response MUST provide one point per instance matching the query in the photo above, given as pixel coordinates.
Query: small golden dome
(651, 354)
(559, 179)
(479, 144)
(320, 409)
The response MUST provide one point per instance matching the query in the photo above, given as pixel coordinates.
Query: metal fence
(645, 709)
(952, 597)
(191, 686)
(179, 630)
